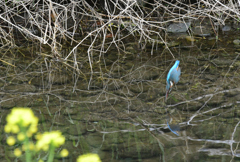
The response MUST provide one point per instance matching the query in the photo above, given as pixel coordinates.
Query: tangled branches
(96, 26)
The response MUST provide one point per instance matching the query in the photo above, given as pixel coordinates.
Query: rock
(236, 42)
(201, 31)
(178, 27)
(226, 28)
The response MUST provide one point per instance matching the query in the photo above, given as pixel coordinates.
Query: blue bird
(173, 77)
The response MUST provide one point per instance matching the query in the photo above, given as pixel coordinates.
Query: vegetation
(81, 62)
(101, 24)
(23, 123)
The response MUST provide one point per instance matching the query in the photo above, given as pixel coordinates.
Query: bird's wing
(175, 75)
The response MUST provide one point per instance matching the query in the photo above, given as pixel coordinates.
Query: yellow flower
(31, 146)
(89, 158)
(7, 129)
(64, 153)
(17, 152)
(15, 128)
(33, 128)
(20, 136)
(18, 115)
(11, 140)
(11, 128)
(23, 117)
(55, 138)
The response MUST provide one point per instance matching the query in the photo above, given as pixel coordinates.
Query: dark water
(118, 111)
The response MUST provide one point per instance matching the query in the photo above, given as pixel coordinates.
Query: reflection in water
(174, 128)
(119, 114)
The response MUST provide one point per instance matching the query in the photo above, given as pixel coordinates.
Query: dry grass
(52, 23)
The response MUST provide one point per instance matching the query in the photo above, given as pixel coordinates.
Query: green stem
(26, 144)
(51, 153)
(28, 153)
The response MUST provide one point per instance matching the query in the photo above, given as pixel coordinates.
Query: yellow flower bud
(33, 129)
(31, 146)
(11, 140)
(17, 152)
(20, 136)
(89, 158)
(15, 129)
(64, 153)
(7, 128)
(38, 136)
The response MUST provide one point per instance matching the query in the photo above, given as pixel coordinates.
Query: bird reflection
(173, 127)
